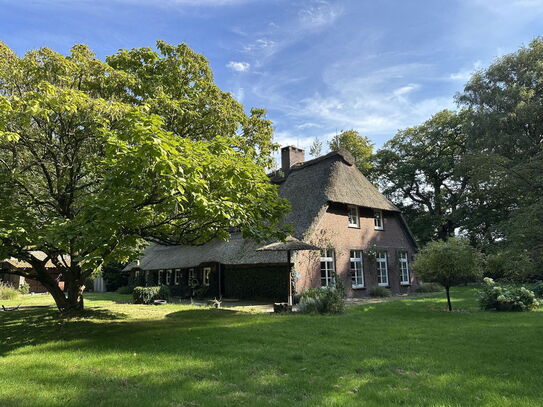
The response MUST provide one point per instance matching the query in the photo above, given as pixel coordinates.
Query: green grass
(406, 352)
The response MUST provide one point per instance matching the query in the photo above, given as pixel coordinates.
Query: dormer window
(378, 220)
(354, 219)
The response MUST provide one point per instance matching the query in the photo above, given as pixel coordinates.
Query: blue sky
(317, 66)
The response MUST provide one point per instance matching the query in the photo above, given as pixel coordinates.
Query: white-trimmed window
(403, 258)
(354, 219)
(378, 219)
(159, 278)
(382, 268)
(177, 276)
(357, 270)
(168, 277)
(192, 276)
(328, 268)
(207, 273)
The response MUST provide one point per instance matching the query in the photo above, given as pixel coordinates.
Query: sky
(317, 66)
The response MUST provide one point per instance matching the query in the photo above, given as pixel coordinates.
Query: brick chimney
(291, 155)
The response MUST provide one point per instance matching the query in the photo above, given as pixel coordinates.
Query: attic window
(378, 220)
(354, 220)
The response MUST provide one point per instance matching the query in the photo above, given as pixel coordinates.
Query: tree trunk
(448, 298)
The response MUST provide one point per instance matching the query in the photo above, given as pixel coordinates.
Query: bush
(7, 292)
(428, 288)
(538, 289)
(24, 288)
(323, 300)
(506, 298)
(126, 289)
(379, 292)
(146, 295)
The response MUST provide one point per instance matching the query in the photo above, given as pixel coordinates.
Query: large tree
(421, 168)
(97, 158)
(359, 146)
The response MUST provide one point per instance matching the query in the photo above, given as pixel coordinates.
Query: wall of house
(334, 232)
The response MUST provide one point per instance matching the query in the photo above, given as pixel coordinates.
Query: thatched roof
(290, 243)
(309, 187)
(21, 264)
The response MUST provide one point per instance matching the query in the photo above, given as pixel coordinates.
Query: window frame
(177, 276)
(168, 277)
(356, 224)
(206, 274)
(357, 276)
(381, 225)
(192, 275)
(404, 261)
(382, 258)
(329, 272)
(159, 277)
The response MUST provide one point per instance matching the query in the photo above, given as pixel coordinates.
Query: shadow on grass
(393, 354)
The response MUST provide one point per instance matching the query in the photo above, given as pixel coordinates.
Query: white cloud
(321, 13)
(464, 74)
(238, 66)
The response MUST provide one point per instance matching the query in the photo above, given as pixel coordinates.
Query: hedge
(146, 295)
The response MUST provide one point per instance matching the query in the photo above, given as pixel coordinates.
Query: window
(354, 220)
(159, 278)
(357, 271)
(404, 268)
(177, 277)
(378, 220)
(382, 268)
(168, 277)
(207, 272)
(192, 277)
(327, 268)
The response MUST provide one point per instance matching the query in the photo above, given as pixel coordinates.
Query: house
(364, 238)
(8, 266)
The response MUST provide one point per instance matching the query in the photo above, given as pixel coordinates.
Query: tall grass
(7, 292)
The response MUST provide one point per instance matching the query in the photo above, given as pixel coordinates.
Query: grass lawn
(406, 352)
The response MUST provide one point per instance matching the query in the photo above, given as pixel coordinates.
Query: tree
(422, 170)
(505, 106)
(359, 146)
(448, 263)
(96, 159)
(316, 148)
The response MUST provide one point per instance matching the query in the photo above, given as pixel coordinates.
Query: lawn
(405, 352)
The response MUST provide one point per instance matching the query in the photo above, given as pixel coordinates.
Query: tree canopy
(359, 146)
(97, 158)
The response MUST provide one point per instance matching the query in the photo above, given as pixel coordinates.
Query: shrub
(379, 292)
(24, 288)
(146, 295)
(125, 289)
(7, 292)
(323, 300)
(429, 288)
(506, 298)
(538, 289)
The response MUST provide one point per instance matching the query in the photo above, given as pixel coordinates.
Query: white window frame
(168, 277)
(159, 277)
(378, 220)
(176, 276)
(381, 259)
(192, 275)
(356, 266)
(328, 266)
(206, 275)
(403, 259)
(353, 216)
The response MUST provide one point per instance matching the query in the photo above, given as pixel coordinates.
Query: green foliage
(380, 292)
(359, 146)
(146, 295)
(323, 300)
(537, 288)
(24, 288)
(126, 289)
(421, 168)
(7, 292)
(114, 276)
(96, 158)
(428, 288)
(316, 148)
(506, 298)
(448, 263)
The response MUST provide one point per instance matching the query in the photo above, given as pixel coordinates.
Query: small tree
(448, 263)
